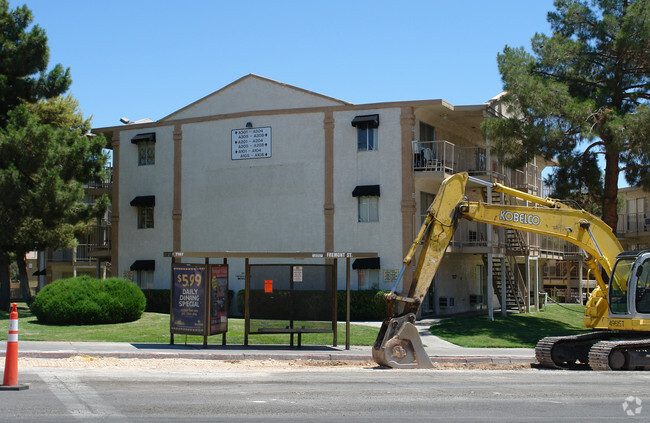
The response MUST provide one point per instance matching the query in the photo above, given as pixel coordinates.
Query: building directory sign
(251, 143)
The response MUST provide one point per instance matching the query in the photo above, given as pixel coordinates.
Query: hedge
(366, 305)
(87, 301)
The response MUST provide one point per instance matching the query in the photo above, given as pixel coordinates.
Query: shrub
(157, 300)
(88, 301)
(366, 305)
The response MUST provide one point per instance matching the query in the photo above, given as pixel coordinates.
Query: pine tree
(584, 92)
(24, 56)
(46, 155)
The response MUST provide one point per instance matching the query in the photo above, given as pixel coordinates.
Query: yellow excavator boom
(393, 348)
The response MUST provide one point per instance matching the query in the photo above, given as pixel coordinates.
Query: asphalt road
(341, 394)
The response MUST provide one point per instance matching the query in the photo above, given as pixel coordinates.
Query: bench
(290, 331)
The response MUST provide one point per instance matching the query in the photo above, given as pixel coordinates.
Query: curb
(198, 355)
(266, 356)
(483, 359)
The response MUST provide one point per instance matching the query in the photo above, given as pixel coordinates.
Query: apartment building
(91, 256)
(260, 165)
(634, 219)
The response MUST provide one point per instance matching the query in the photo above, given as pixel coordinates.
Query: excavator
(618, 309)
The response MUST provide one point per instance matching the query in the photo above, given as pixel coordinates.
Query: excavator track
(630, 354)
(565, 352)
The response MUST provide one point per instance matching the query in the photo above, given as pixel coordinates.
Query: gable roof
(253, 93)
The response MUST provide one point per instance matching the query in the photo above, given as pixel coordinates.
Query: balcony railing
(434, 156)
(98, 238)
(105, 183)
(633, 223)
(555, 247)
(443, 157)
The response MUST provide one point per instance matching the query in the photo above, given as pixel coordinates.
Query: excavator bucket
(398, 345)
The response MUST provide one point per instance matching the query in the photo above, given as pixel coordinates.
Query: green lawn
(154, 328)
(516, 330)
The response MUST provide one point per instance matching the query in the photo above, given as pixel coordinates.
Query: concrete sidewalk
(438, 349)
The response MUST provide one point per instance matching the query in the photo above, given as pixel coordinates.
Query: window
(145, 217)
(618, 286)
(368, 278)
(368, 271)
(144, 279)
(146, 148)
(366, 139)
(368, 209)
(368, 197)
(146, 153)
(636, 215)
(427, 132)
(425, 202)
(643, 288)
(143, 271)
(366, 132)
(145, 205)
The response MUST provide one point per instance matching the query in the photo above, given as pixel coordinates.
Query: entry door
(429, 304)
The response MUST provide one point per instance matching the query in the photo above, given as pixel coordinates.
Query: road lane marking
(80, 399)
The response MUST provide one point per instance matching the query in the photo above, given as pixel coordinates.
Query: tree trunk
(610, 194)
(5, 278)
(25, 292)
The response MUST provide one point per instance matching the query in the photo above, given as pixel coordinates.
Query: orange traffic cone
(11, 358)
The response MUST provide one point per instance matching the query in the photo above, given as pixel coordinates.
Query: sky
(146, 59)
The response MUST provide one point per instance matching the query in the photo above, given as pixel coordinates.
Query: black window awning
(144, 265)
(366, 263)
(39, 272)
(366, 191)
(144, 201)
(366, 121)
(148, 137)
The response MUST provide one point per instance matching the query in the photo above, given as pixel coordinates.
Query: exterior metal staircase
(515, 246)
(515, 288)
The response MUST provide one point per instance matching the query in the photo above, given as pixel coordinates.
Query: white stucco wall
(458, 278)
(156, 179)
(381, 167)
(268, 204)
(267, 96)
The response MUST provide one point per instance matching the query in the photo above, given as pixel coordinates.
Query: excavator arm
(398, 343)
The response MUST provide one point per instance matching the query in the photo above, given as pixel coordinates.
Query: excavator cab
(629, 291)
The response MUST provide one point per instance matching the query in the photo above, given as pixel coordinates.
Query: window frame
(619, 287)
(367, 138)
(368, 279)
(145, 276)
(365, 204)
(146, 153)
(643, 288)
(146, 217)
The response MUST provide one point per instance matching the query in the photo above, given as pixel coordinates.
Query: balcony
(633, 223)
(96, 243)
(442, 158)
(102, 184)
(434, 158)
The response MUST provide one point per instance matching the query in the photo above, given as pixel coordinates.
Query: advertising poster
(188, 299)
(219, 299)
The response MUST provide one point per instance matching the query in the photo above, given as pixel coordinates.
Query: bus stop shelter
(329, 257)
